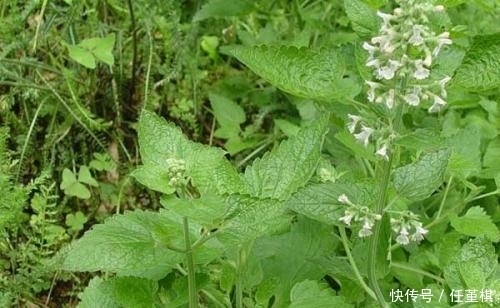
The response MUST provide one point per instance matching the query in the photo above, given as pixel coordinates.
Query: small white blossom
(384, 42)
(421, 72)
(364, 135)
(371, 92)
(403, 238)
(389, 101)
(442, 85)
(413, 98)
(366, 230)
(347, 218)
(383, 152)
(419, 232)
(416, 38)
(344, 199)
(370, 48)
(438, 104)
(439, 8)
(373, 63)
(386, 19)
(387, 72)
(442, 39)
(354, 119)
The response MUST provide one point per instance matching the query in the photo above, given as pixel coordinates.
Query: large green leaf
(312, 294)
(475, 223)
(465, 158)
(292, 257)
(319, 201)
(134, 243)
(314, 74)
(363, 18)
(419, 180)
(472, 266)
(480, 69)
(249, 218)
(95, 296)
(281, 172)
(131, 292)
(206, 166)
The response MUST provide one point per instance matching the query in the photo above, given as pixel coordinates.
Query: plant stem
(353, 264)
(193, 293)
(374, 239)
(417, 271)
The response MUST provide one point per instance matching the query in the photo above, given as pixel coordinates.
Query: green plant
(375, 196)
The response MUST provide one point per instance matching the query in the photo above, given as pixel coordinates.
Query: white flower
(373, 63)
(419, 232)
(416, 38)
(439, 8)
(403, 238)
(353, 123)
(370, 48)
(389, 101)
(344, 199)
(384, 42)
(387, 72)
(413, 98)
(438, 104)
(371, 92)
(421, 72)
(366, 230)
(347, 218)
(364, 135)
(442, 85)
(442, 39)
(386, 19)
(383, 152)
(428, 57)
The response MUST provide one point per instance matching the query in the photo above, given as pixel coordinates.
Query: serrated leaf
(291, 257)
(227, 112)
(134, 243)
(480, 69)
(223, 8)
(363, 18)
(319, 201)
(419, 180)
(475, 223)
(206, 166)
(131, 292)
(465, 159)
(95, 296)
(85, 177)
(313, 74)
(472, 266)
(249, 218)
(208, 210)
(281, 172)
(312, 294)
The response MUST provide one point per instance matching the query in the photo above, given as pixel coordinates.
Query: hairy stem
(193, 293)
(353, 264)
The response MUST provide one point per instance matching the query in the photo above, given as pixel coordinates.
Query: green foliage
(419, 180)
(89, 50)
(315, 74)
(476, 223)
(363, 19)
(73, 186)
(135, 244)
(480, 69)
(311, 294)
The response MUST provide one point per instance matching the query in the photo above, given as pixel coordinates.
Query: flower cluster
(176, 169)
(401, 57)
(358, 213)
(408, 228)
(404, 50)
